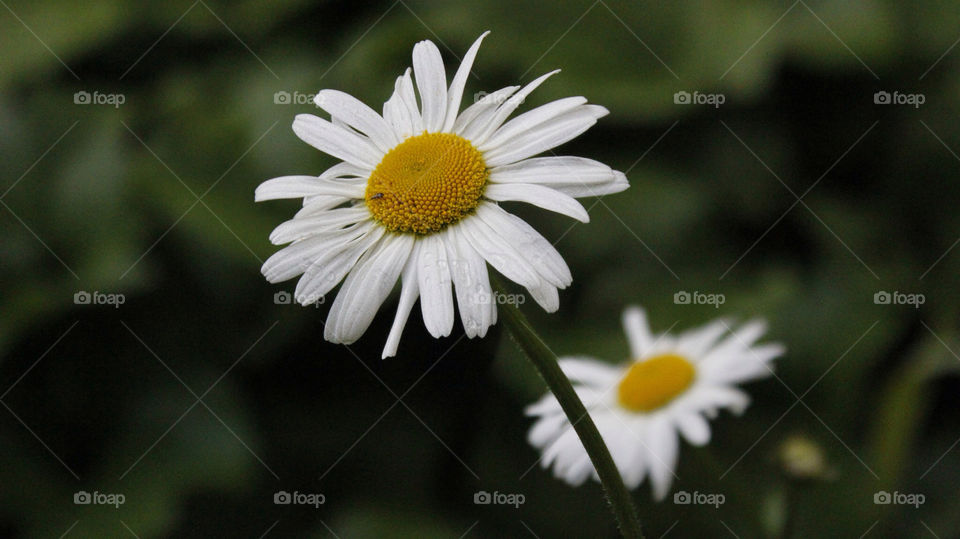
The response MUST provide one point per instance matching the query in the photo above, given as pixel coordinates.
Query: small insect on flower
(673, 384)
(416, 198)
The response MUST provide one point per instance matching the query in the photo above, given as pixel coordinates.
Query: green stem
(546, 363)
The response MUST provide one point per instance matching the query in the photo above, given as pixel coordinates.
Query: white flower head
(416, 198)
(672, 385)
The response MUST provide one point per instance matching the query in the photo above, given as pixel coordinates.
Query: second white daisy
(672, 385)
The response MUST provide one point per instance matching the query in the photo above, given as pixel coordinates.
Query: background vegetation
(798, 199)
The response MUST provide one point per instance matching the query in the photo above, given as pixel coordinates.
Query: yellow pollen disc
(426, 182)
(654, 382)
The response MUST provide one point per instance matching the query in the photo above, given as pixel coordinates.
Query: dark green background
(98, 198)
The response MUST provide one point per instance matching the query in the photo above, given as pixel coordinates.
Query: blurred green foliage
(154, 199)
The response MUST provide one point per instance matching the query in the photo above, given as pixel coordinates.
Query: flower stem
(546, 363)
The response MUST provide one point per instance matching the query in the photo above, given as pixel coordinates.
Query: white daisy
(673, 384)
(416, 198)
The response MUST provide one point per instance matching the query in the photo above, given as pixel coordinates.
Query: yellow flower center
(426, 182)
(654, 382)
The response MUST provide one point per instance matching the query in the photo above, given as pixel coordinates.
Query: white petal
(592, 372)
(662, 448)
(531, 119)
(513, 263)
(295, 258)
(697, 342)
(694, 428)
(538, 195)
(336, 141)
(410, 101)
(623, 439)
(546, 296)
(472, 284)
(433, 278)
(545, 136)
(638, 331)
(459, 82)
(345, 171)
(331, 266)
(566, 447)
(740, 340)
(531, 246)
(366, 287)
(396, 113)
(578, 470)
(318, 186)
(575, 176)
(748, 333)
(751, 364)
(711, 399)
(359, 116)
(299, 228)
(497, 253)
(432, 84)
(287, 187)
(547, 429)
(548, 405)
(506, 109)
(475, 118)
(316, 204)
(408, 296)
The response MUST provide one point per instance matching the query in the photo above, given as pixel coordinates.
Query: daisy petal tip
(303, 117)
(620, 182)
(321, 97)
(425, 46)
